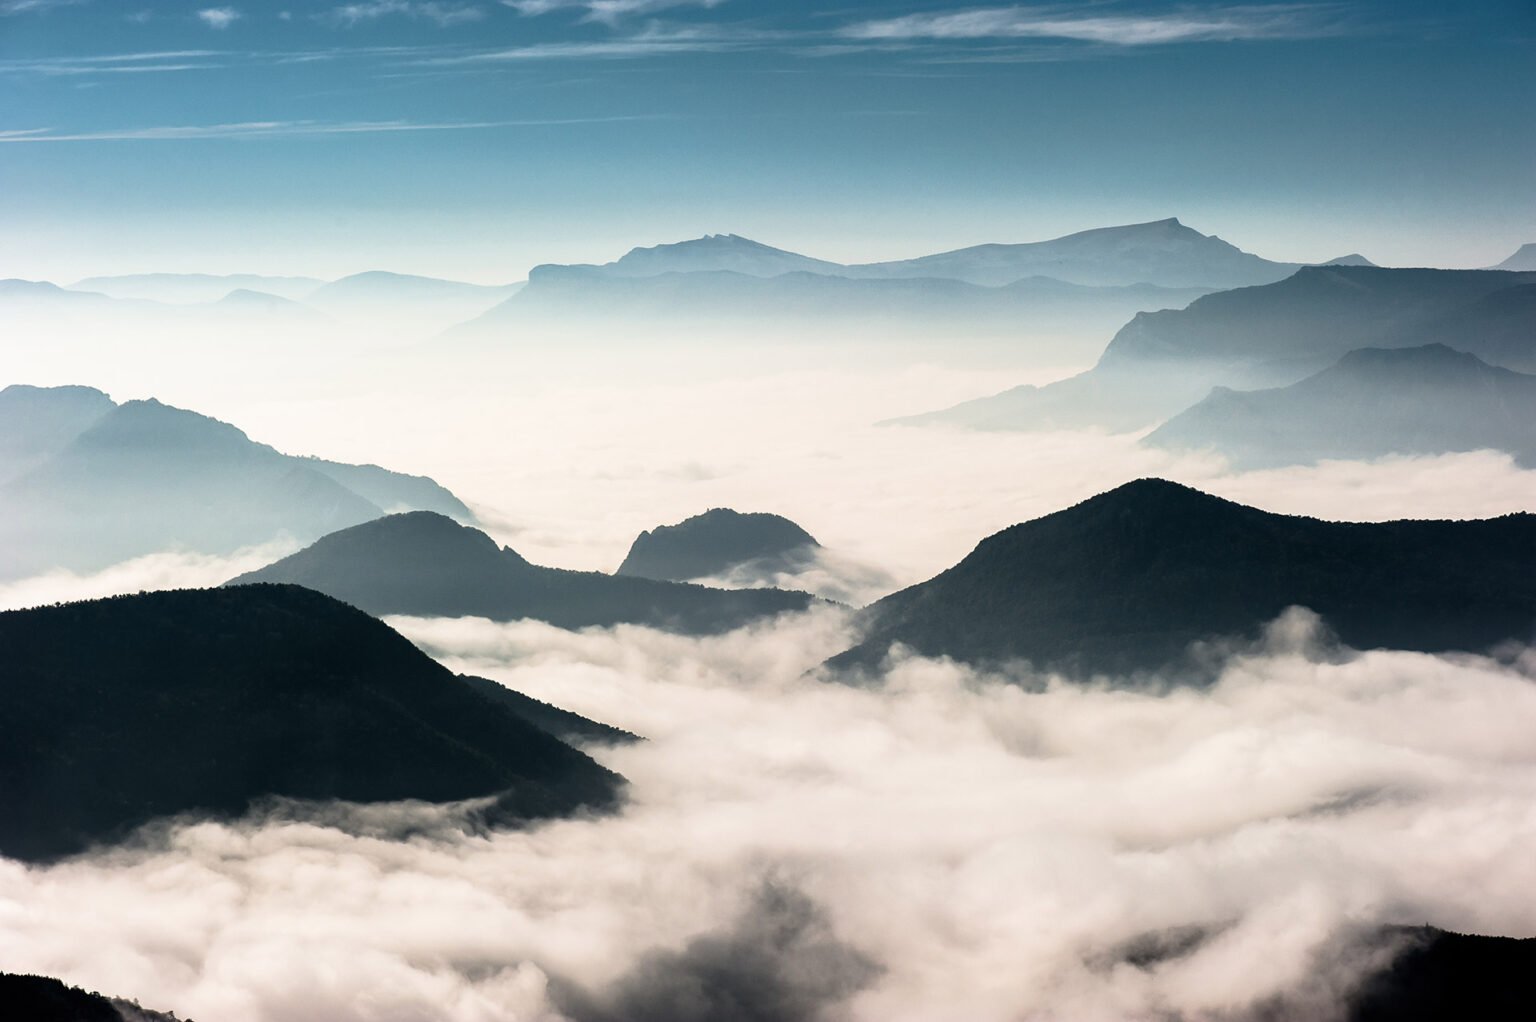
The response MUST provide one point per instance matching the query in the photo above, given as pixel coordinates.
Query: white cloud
(10, 7)
(169, 570)
(281, 129)
(607, 11)
(444, 14)
(219, 17)
(992, 851)
(1216, 24)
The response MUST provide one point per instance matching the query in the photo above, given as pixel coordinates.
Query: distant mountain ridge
(86, 482)
(426, 564)
(1271, 336)
(1165, 253)
(121, 711)
(1372, 402)
(1524, 258)
(1126, 581)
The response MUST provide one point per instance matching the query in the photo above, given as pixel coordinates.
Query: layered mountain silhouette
(1372, 402)
(429, 565)
(85, 483)
(1162, 252)
(1162, 362)
(1127, 580)
(720, 542)
(120, 711)
(376, 288)
(195, 288)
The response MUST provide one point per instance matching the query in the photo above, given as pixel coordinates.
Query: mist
(950, 843)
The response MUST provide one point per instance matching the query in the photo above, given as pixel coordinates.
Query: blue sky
(473, 138)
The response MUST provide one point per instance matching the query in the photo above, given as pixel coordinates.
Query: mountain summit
(1129, 579)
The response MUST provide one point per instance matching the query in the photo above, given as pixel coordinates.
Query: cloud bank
(950, 844)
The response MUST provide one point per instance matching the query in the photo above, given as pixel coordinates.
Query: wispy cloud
(118, 63)
(443, 14)
(219, 17)
(607, 11)
(10, 7)
(291, 129)
(1213, 24)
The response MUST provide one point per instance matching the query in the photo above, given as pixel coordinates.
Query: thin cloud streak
(1218, 24)
(349, 15)
(279, 129)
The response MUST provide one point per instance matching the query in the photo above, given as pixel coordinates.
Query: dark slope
(1447, 977)
(563, 724)
(1128, 579)
(43, 999)
(1163, 252)
(717, 541)
(142, 477)
(1373, 402)
(425, 564)
(1273, 336)
(119, 711)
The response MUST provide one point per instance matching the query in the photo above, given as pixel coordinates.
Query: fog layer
(950, 846)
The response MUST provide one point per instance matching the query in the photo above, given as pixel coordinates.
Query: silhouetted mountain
(1441, 977)
(43, 999)
(1523, 259)
(728, 252)
(120, 711)
(1373, 402)
(426, 564)
(142, 477)
(1130, 578)
(1273, 336)
(1353, 259)
(44, 295)
(717, 542)
(1163, 252)
(195, 288)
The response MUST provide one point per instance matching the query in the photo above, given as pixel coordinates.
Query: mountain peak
(1523, 259)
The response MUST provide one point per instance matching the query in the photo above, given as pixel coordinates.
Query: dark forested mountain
(85, 483)
(1273, 336)
(1373, 402)
(1441, 976)
(426, 564)
(1129, 579)
(119, 711)
(43, 999)
(563, 724)
(717, 542)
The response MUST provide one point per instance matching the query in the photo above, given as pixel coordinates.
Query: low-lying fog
(949, 847)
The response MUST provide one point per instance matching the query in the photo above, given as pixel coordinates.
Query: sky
(475, 138)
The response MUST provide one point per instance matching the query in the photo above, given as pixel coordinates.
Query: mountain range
(1128, 580)
(86, 482)
(717, 543)
(1372, 402)
(1163, 252)
(426, 564)
(121, 711)
(1271, 336)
